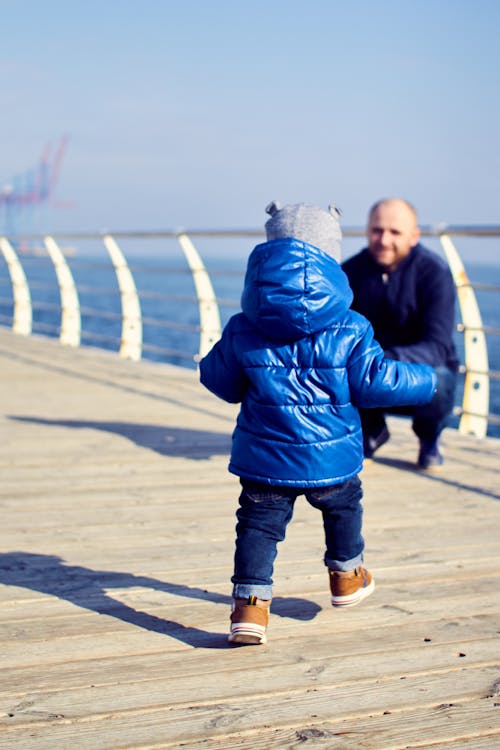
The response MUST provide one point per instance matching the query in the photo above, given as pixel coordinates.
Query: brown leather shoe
(350, 588)
(249, 621)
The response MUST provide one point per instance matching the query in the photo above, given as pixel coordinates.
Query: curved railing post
(475, 405)
(71, 325)
(210, 327)
(131, 339)
(23, 312)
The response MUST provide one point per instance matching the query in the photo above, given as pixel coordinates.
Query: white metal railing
(131, 339)
(22, 319)
(70, 304)
(475, 405)
(473, 412)
(209, 310)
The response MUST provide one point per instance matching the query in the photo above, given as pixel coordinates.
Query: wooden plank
(473, 726)
(174, 723)
(143, 632)
(332, 671)
(413, 590)
(70, 670)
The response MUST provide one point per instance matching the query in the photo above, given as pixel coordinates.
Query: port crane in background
(24, 198)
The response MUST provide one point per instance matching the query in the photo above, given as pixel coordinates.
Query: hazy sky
(198, 112)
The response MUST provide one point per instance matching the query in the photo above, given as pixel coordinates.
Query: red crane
(31, 189)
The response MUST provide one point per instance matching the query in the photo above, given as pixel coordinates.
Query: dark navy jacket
(412, 309)
(301, 362)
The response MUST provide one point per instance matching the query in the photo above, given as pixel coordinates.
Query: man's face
(392, 232)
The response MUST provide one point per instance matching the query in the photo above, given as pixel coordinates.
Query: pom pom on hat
(311, 224)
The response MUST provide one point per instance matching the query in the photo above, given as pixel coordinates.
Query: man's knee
(444, 398)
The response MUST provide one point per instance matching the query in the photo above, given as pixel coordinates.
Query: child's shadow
(195, 445)
(87, 588)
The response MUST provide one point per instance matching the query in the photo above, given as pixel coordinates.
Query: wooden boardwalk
(116, 542)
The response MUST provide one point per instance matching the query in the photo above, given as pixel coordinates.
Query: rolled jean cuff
(344, 566)
(244, 590)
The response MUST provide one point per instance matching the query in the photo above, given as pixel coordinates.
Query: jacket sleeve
(220, 370)
(375, 381)
(437, 320)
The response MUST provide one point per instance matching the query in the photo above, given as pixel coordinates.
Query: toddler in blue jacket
(301, 362)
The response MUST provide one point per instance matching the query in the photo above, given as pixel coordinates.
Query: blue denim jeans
(428, 420)
(264, 513)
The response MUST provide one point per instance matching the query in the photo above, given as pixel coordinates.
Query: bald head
(396, 203)
(392, 231)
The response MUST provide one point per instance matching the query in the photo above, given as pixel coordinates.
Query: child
(301, 363)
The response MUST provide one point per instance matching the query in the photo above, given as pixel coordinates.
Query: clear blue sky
(197, 113)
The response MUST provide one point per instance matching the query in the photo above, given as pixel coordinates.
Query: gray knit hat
(310, 224)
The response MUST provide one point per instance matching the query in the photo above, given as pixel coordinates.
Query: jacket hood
(293, 289)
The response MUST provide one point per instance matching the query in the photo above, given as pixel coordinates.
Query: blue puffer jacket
(301, 362)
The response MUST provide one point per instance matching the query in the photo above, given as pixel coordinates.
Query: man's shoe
(372, 443)
(430, 457)
(249, 621)
(350, 588)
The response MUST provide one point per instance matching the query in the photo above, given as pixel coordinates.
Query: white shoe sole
(242, 632)
(352, 599)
